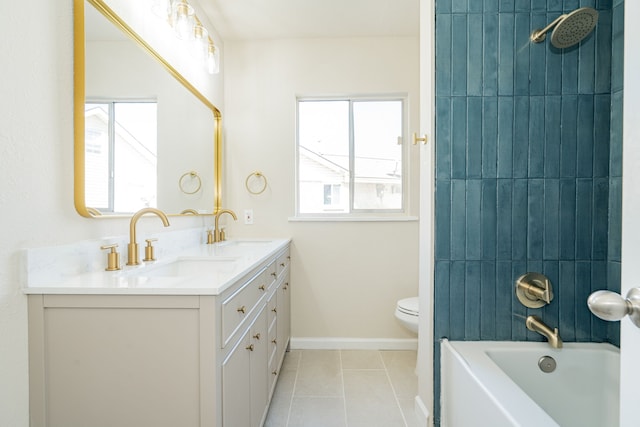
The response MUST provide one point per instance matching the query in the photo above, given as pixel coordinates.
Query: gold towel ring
(257, 174)
(193, 175)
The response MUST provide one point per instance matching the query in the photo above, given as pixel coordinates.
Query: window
(120, 155)
(350, 157)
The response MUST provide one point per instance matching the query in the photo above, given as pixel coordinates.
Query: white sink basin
(189, 267)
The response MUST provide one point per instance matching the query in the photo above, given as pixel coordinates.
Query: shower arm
(538, 36)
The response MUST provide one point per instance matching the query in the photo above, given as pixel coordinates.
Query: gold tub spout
(217, 234)
(535, 324)
(133, 257)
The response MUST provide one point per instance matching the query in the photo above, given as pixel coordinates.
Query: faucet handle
(148, 250)
(113, 257)
(210, 237)
(534, 290)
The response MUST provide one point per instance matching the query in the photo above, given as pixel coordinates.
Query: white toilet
(407, 313)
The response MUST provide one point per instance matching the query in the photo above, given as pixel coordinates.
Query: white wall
(346, 276)
(36, 172)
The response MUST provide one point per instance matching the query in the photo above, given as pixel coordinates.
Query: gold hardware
(273, 342)
(217, 235)
(113, 258)
(274, 274)
(241, 310)
(417, 139)
(274, 310)
(148, 250)
(282, 264)
(261, 287)
(534, 290)
(194, 176)
(133, 256)
(275, 372)
(535, 324)
(189, 212)
(258, 190)
(93, 211)
(249, 347)
(210, 239)
(288, 257)
(257, 336)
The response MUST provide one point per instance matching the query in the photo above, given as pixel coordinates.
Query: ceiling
(274, 19)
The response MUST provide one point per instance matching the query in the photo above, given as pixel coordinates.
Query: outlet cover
(248, 216)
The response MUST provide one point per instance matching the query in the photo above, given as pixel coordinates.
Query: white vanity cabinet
(129, 359)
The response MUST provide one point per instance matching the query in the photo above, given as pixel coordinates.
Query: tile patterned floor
(345, 388)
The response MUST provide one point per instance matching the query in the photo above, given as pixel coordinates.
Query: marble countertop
(240, 257)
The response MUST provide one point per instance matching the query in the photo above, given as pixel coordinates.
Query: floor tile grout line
(395, 394)
(293, 390)
(344, 392)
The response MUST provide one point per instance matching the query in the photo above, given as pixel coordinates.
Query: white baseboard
(422, 413)
(332, 343)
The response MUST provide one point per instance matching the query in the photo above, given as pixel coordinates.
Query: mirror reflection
(149, 139)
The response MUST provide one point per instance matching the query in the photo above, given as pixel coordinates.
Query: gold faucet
(535, 324)
(133, 256)
(217, 234)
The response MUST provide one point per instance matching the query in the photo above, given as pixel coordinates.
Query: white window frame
(358, 214)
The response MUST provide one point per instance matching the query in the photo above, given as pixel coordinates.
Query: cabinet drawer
(238, 306)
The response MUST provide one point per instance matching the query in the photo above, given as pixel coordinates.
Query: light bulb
(213, 59)
(200, 45)
(183, 20)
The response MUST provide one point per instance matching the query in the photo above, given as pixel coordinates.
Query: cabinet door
(259, 363)
(283, 326)
(236, 385)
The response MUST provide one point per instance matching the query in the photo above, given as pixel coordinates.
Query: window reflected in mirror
(121, 155)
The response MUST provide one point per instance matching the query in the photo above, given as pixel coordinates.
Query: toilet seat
(409, 306)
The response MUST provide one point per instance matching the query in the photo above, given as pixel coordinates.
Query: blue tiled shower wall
(528, 169)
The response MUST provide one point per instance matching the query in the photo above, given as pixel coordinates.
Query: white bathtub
(488, 383)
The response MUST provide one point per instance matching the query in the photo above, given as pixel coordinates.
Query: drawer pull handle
(274, 341)
(249, 347)
(241, 310)
(261, 287)
(275, 372)
(288, 257)
(274, 310)
(257, 336)
(282, 264)
(274, 274)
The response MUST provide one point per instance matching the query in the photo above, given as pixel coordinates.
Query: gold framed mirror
(143, 134)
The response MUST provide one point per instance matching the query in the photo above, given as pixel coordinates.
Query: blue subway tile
(554, 5)
(443, 7)
(443, 220)
(567, 219)
(459, 6)
(566, 296)
(536, 137)
(583, 289)
(538, 52)
(504, 292)
(584, 136)
(459, 138)
(584, 218)
(443, 55)
(586, 65)
(443, 137)
(441, 298)
(551, 248)
(519, 312)
(506, 6)
(553, 64)
(505, 137)
(570, 71)
(551, 312)
(603, 52)
(520, 136)
(617, 51)
(519, 220)
(458, 219)
(474, 137)
(490, 51)
(456, 298)
(535, 219)
(475, 55)
(552, 130)
(615, 149)
(504, 213)
(489, 137)
(615, 218)
(473, 217)
(522, 5)
(472, 295)
(506, 53)
(488, 298)
(488, 219)
(459, 54)
(598, 282)
(490, 6)
(602, 135)
(570, 5)
(614, 276)
(600, 218)
(522, 41)
(568, 136)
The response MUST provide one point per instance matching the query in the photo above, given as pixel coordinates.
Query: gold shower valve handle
(417, 139)
(113, 257)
